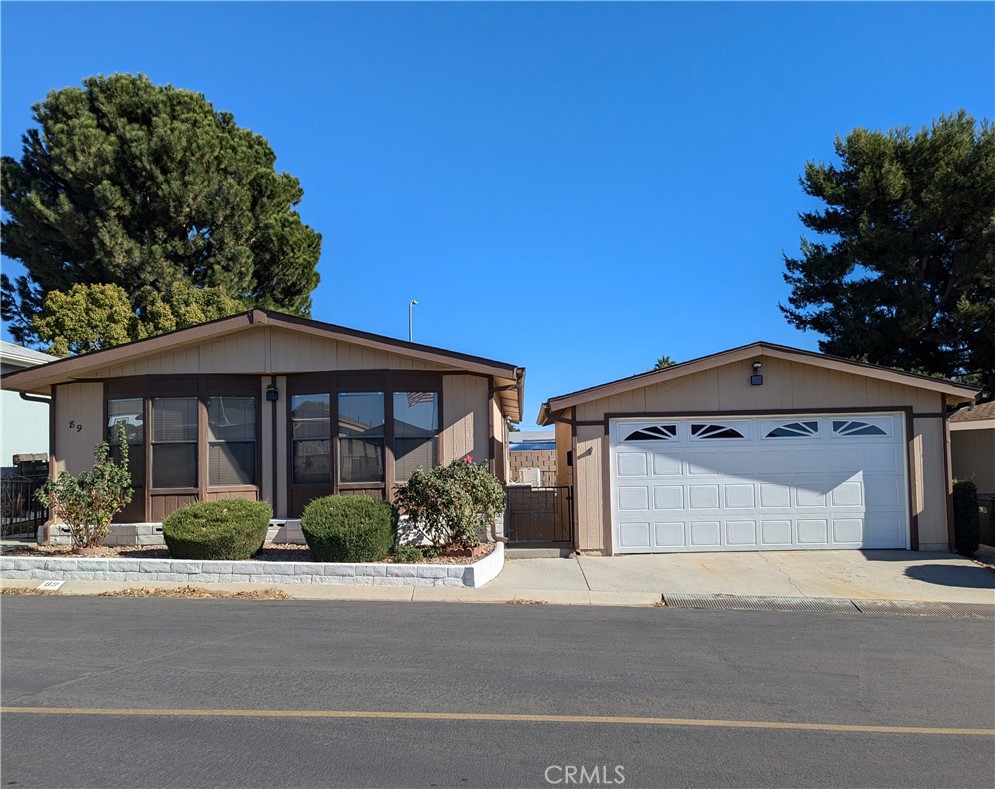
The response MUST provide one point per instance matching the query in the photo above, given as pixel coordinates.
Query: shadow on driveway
(946, 575)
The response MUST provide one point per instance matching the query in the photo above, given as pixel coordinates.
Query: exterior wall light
(272, 393)
(756, 379)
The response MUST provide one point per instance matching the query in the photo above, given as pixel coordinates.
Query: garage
(817, 481)
(757, 448)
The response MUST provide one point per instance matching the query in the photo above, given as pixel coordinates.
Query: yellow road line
(500, 718)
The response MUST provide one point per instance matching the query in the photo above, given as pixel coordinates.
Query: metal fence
(20, 512)
(539, 514)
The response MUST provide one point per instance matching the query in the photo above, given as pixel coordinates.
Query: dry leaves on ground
(195, 593)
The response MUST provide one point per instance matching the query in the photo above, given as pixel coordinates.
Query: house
(24, 427)
(761, 447)
(534, 449)
(263, 405)
(972, 445)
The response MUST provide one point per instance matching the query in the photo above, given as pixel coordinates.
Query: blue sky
(573, 188)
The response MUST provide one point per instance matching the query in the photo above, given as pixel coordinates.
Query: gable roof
(509, 379)
(982, 412)
(19, 356)
(955, 393)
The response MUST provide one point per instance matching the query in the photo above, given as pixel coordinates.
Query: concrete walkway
(643, 580)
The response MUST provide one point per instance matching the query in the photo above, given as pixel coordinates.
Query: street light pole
(411, 305)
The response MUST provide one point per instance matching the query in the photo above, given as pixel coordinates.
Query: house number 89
(74, 425)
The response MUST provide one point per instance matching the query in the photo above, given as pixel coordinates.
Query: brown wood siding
(268, 350)
(464, 418)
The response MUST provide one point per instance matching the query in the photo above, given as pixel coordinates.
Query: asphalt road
(704, 680)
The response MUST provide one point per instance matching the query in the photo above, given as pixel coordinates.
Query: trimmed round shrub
(967, 521)
(228, 530)
(349, 529)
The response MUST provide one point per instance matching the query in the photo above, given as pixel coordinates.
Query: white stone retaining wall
(286, 532)
(201, 572)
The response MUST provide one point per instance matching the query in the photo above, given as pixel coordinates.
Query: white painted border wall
(203, 572)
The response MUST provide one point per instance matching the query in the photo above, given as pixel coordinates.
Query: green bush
(87, 502)
(228, 530)
(405, 554)
(349, 529)
(452, 504)
(967, 522)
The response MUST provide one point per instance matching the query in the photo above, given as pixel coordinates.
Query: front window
(128, 413)
(231, 441)
(310, 420)
(416, 432)
(361, 437)
(174, 442)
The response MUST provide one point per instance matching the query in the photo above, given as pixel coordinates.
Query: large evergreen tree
(149, 188)
(905, 273)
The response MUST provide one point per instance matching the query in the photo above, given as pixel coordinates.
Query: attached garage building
(758, 448)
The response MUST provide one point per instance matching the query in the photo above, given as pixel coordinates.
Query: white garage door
(763, 483)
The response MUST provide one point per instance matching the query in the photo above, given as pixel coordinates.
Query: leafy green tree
(664, 362)
(91, 317)
(905, 274)
(149, 188)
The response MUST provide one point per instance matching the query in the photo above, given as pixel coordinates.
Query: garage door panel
(848, 530)
(703, 497)
(705, 534)
(881, 459)
(667, 465)
(670, 535)
(815, 482)
(633, 498)
(812, 531)
(774, 495)
(739, 496)
(775, 532)
(630, 464)
(634, 535)
(741, 533)
(848, 494)
(668, 497)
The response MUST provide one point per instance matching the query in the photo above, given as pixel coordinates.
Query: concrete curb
(19, 568)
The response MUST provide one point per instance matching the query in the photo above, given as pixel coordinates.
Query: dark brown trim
(948, 485)
(572, 421)
(275, 446)
(149, 387)
(333, 383)
(910, 463)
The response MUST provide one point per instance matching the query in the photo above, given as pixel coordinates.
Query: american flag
(414, 398)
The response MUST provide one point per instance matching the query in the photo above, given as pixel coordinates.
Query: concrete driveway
(862, 575)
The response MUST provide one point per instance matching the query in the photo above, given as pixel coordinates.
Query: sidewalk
(646, 580)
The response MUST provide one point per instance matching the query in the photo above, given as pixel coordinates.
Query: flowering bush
(86, 503)
(453, 504)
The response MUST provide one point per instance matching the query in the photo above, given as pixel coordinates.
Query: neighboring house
(760, 447)
(972, 445)
(535, 449)
(24, 423)
(262, 405)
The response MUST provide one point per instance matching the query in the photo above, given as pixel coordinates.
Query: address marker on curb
(51, 585)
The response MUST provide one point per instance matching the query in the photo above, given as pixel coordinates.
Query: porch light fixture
(272, 393)
(756, 379)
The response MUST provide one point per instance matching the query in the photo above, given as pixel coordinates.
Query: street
(724, 698)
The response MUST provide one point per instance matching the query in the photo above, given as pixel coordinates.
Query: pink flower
(467, 459)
